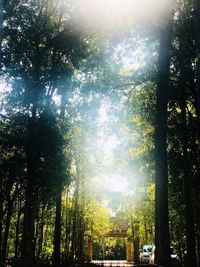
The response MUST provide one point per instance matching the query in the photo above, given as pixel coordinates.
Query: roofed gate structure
(120, 231)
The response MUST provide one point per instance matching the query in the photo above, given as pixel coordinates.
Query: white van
(173, 254)
(147, 253)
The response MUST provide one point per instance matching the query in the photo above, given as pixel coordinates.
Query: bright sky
(97, 13)
(116, 183)
(107, 142)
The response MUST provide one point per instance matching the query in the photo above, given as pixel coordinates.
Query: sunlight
(103, 114)
(111, 143)
(97, 13)
(107, 142)
(115, 183)
(4, 89)
(131, 58)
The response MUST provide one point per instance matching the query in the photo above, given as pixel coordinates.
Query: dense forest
(99, 125)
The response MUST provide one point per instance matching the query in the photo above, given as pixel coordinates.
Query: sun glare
(103, 118)
(116, 13)
(114, 183)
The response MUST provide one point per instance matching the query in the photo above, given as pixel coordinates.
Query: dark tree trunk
(136, 244)
(186, 138)
(28, 239)
(162, 214)
(41, 235)
(196, 20)
(67, 226)
(198, 246)
(81, 223)
(1, 220)
(57, 231)
(37, 230)
(6, 231)
(80, 255)
(136, 241)
(146, 231)
(17, 229)
(1, 26)
(74, 225)
(76, 214)
(189, 214)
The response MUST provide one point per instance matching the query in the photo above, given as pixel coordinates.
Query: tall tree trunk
(6, 231)
(1, 27)
(74, 223)
(57, 231)
(17, 229)
(136, 243)
(189, 214)
(67, 226)
(146, 231)
(37, 230)
(186, 138)
(41, 235)
(28, 239)
(81, 223)
(81, 241)
(76, 230)
(196, 20)
(162, 214)
(1, 220)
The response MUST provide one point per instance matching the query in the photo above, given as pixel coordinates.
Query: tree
(38, 85)
(196, 25)
(1, 25)
(162, 217)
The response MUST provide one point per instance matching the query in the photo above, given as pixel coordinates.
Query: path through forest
(113, 263)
